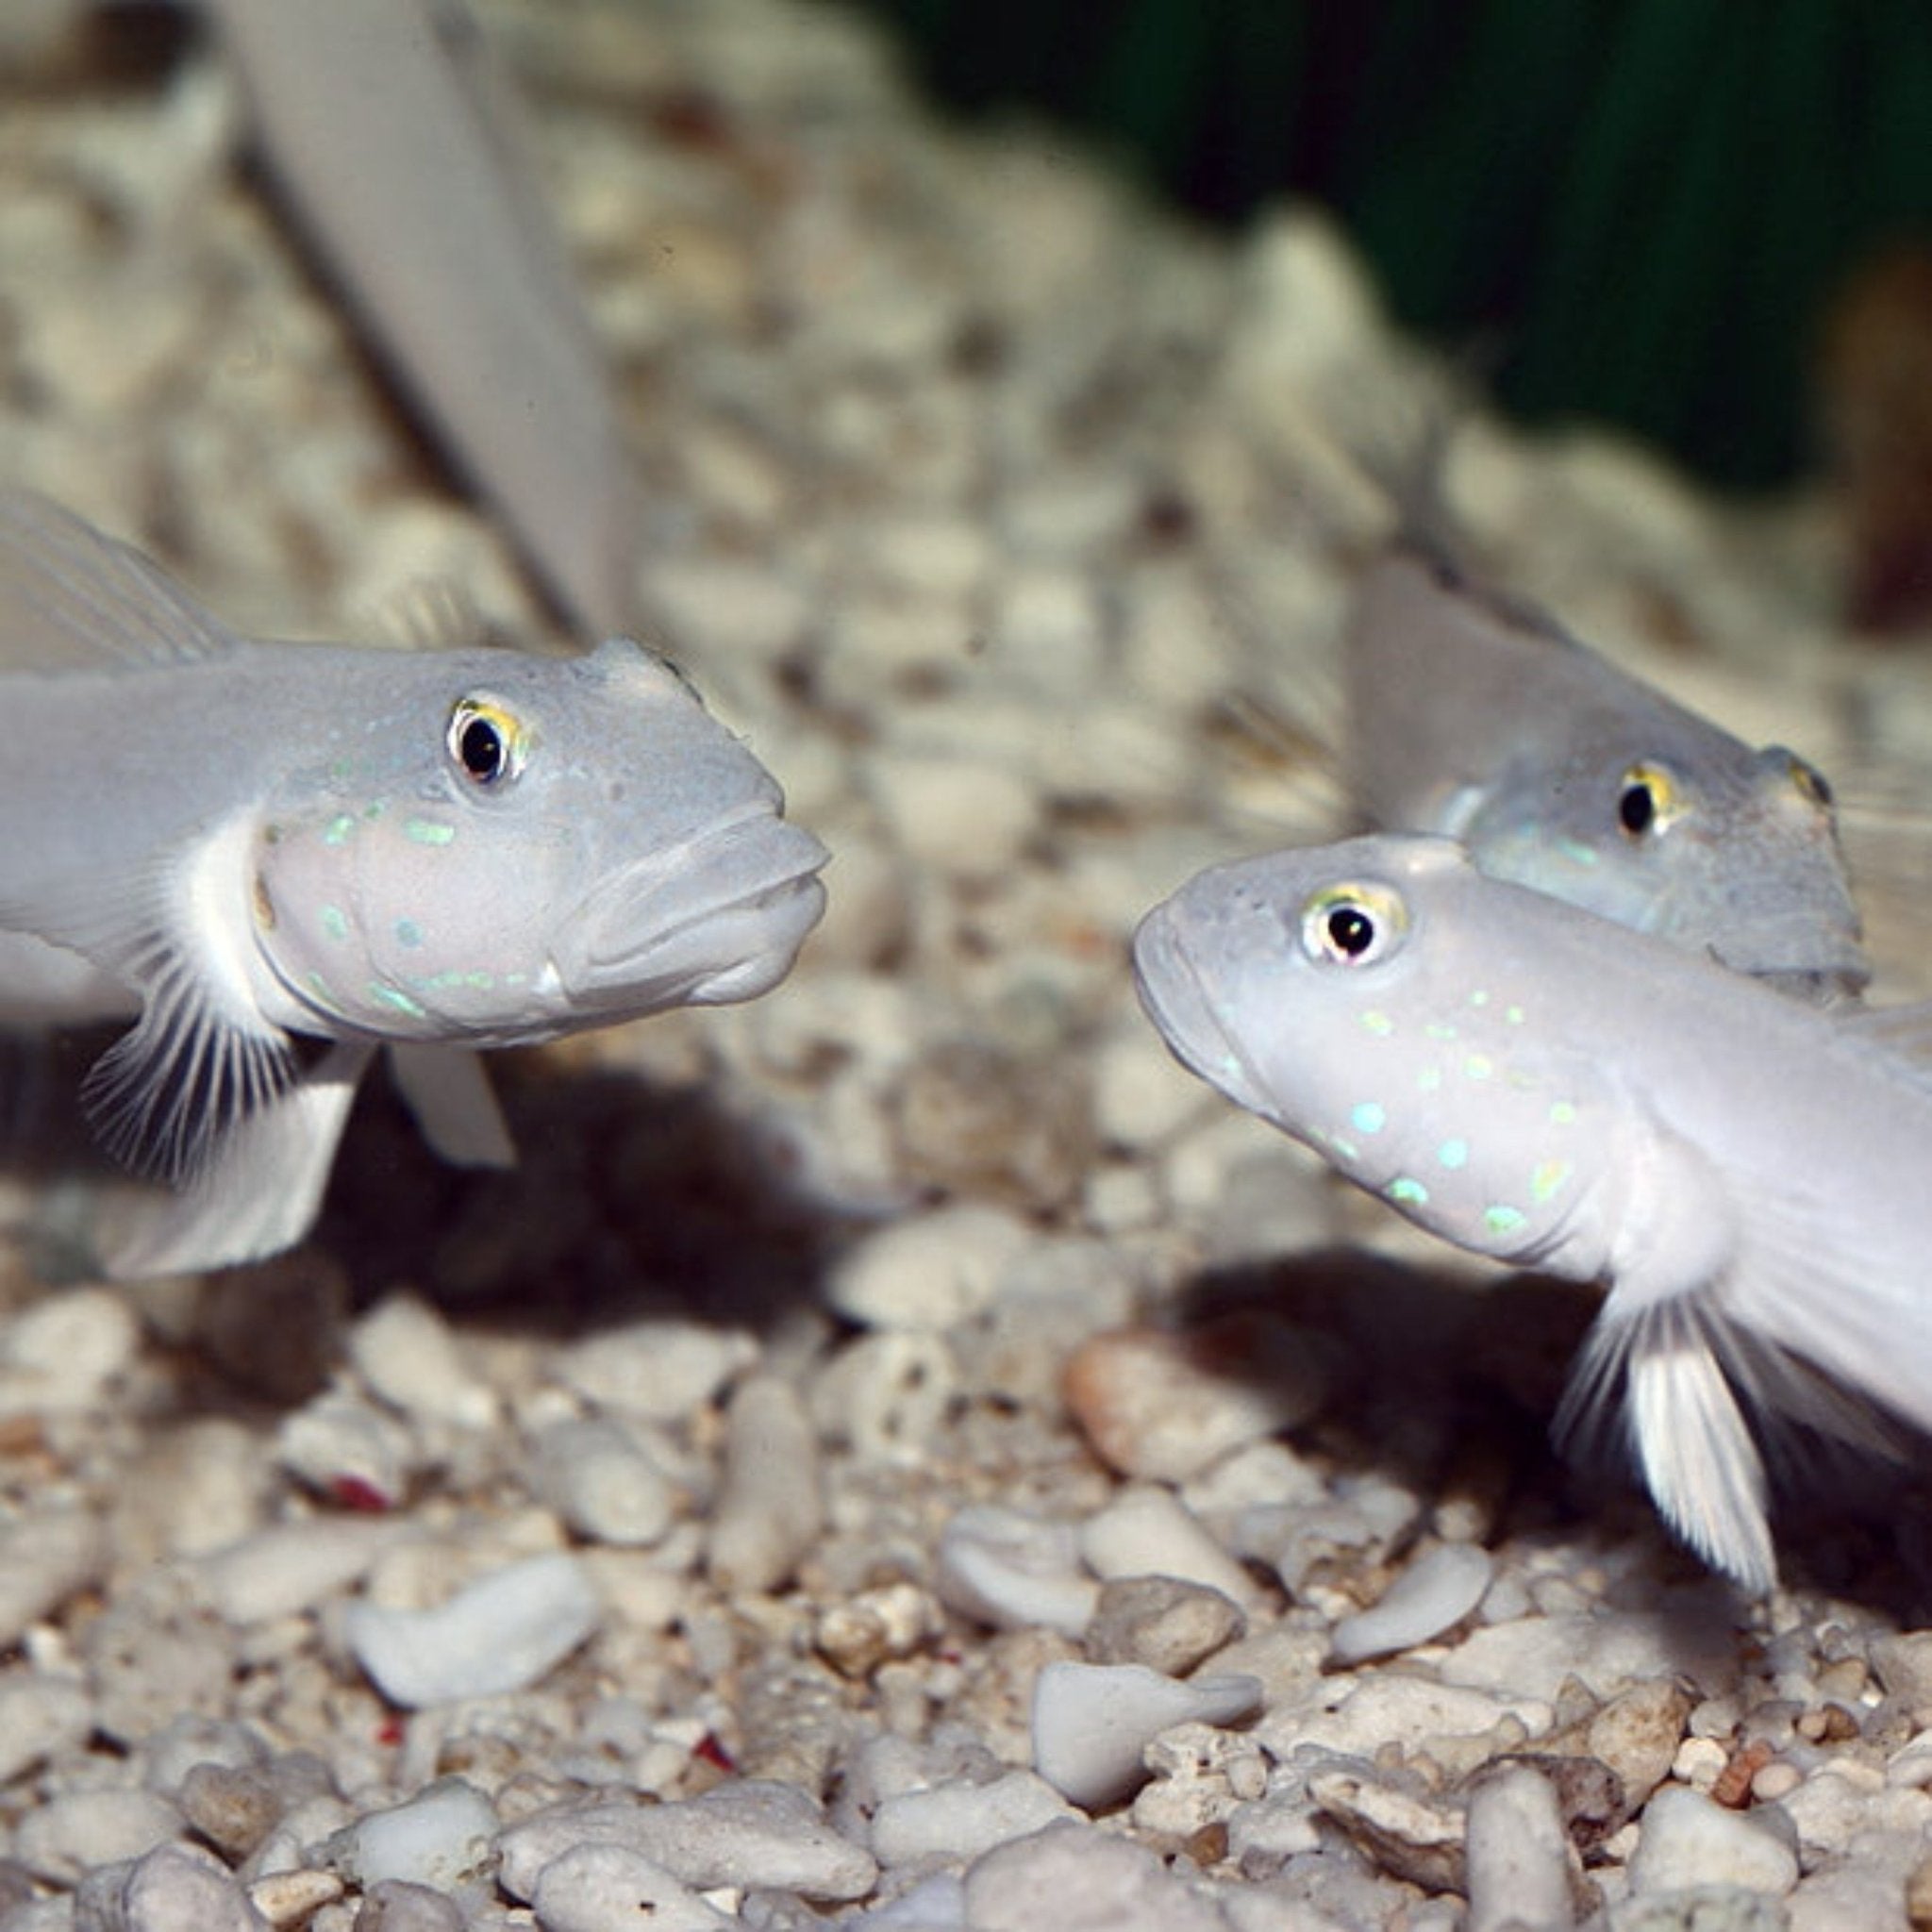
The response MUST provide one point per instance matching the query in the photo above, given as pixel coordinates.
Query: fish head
(1681, 831)
(1360, 997)
(513, 848)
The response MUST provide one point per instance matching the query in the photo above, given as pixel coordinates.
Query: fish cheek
(304, 906)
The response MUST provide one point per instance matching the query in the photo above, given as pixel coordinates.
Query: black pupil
(1351, 931)
(1637, 809)
(479, 745)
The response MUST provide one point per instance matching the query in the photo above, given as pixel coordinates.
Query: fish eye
(1352, 924)
(486, 742)
(1647, 800)
(1810, 784)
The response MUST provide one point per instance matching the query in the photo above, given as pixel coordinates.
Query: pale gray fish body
(1745, 1172)
(1474, 717)
(396, 135)
(256, 843)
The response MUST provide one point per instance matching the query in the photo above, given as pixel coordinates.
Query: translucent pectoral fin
(260, 1189)
(447, 1088)
(1660, 1373)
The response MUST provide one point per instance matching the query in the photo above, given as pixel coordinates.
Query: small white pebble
(1519, 1854)
(440, 1837)
(958, 1820)
(1689, 1840)
(1093, 1723)
(771, 1503)
(1012, 1571)
(1147, 1531)
(407, 1354)
(171, 1889)
(928, 1271)
(62, 1353)
(956, 815)
(1438, 1590)
(594, 1475)
(503, 1633)
(611, 1889)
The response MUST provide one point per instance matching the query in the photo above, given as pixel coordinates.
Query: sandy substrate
(901, 1454)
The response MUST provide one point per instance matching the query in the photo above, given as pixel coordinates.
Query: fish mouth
(716, 919)
(1183, 1011)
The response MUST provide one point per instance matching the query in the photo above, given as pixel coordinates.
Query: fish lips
(716, 919)
(1183, 1011)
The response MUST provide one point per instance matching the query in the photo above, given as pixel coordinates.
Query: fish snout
(1183, 1013)
(718, 918)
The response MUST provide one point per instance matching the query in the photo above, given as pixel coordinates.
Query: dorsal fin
(72, 598)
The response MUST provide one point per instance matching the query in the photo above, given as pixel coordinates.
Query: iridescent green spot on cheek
(334, 922)
(1429, 1080)
(1513, 1015)
(1562, 1113)
(1409, 1191)
(455, 977)
(409, 933)
(1478, 1066)
(1367, 1117)
(1378, 1023)
(337, 830)
(428, 831)
(1452, 1154)
(1502, 1219)
(1479, 998)
(396, 999)
(1548, 1177)
(1343, 1146)
(1576, 852)
(1438, 1029)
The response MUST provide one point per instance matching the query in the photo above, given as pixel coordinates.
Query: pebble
(1165, 1405)
(1435, 1592)
(1147, 1531)
(171, 1889)
(64, 1353)
(395, 1905)
(959, 1820)
(750, 1832)
(1606, 1649)
(40, 1717)
(501, 1633)
(292, 1567)
(929, 1272)
(613, 1889)
(440, 1837)
(45, 1558)
(1013, 1572)
(658, 1370)
(594, 1475)
(1080, 1881)
(1686, 1841)
(1521, 1870)
(1167, 1622)
(885, 1394)
(293, 1898)
(76, 1830)
(771, 1503)
(342, 1443)
(958, 816)
(1093, 1723)
(407, 1354)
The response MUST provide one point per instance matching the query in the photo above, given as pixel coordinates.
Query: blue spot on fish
(1548, 1179)
(395, 998)
(1502, 1219)
(1452, 1154)
(409, 933)
(334, 922)
(1408, 1190)
(1367, 1117)
(337, 830)
(428, 831)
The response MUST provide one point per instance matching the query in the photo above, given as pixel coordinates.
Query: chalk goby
(249, 845)
(1474, 716)
(1747, 1173)
(393, 131)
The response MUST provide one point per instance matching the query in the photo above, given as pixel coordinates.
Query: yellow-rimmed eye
(1647, 800)
(1810, 784)
(1352, 924)
(487, 741)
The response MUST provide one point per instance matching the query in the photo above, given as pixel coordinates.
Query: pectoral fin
(260, 1189)
(1659, 1370)
(447, 1090)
